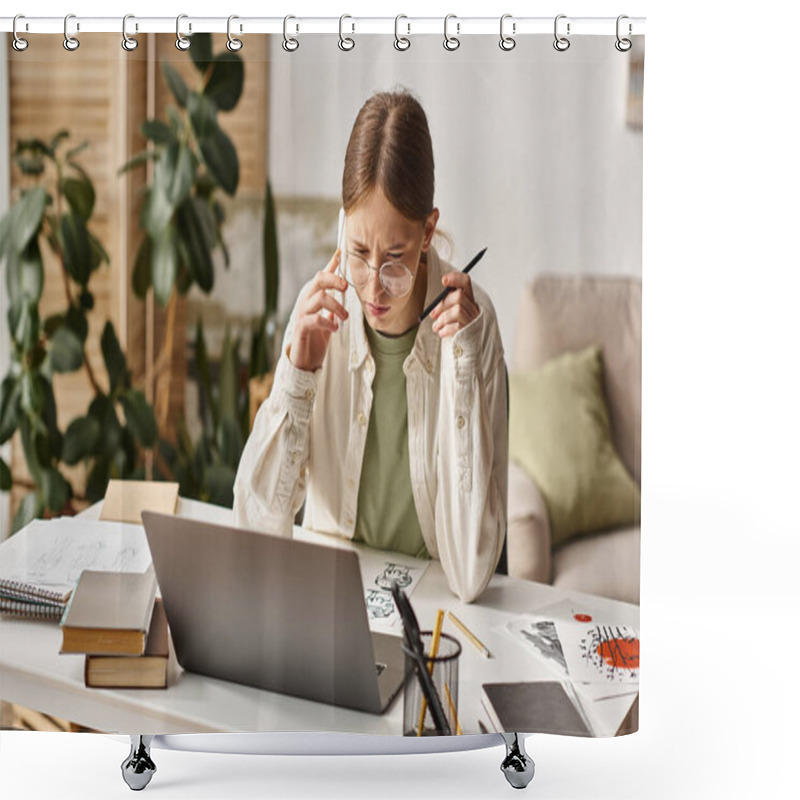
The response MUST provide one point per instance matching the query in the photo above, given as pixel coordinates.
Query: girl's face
(378, 233)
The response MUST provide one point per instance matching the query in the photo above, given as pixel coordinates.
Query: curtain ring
(561, 43)
(129, 43)
(18, 43)
(233, 44)
(345, 42)
(290, 44)
(507, 42)
(182, 43)
(623, 45)
(451, 42)
(70, 42)
(401, 42)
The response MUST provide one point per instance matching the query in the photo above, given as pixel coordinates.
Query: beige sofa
(567, 313)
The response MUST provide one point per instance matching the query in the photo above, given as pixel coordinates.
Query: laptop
(272, 612)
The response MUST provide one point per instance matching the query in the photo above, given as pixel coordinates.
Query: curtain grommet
(561, 43)
(507, 43)
(401, 43)
(18, 43)
(289, 44)
(71, 43)
(451, 43)
(623, 44)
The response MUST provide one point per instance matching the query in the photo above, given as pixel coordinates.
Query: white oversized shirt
(308, 439)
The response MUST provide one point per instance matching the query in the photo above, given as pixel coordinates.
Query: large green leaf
(157, 131)
(30, 165)
(197, 232)
(25, 274)
(32, 398)
(6, 229)
(9, 407)
(81, 439)
(142, 268)
(220, 157)
(229, 441)
(114, 358)
(175, 172)
(270, 255)
(202, 114)
(55, 490)
(76, 321)
(226, 81)
(5, 477)
(140, 417)
(229, 378)
(175, 83)
(32, 450)
(102, 409)
(66, 350)
(164, 264)
(29, 509)
(219, 484)
(201, 357)
(28, 217)
(97, 481)
(201, 51)
(99, 254)
(80, 195)
(137, 160)
(25, 329)
(76, 248)
(157, 210)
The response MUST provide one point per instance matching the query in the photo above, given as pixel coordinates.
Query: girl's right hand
(318, 316)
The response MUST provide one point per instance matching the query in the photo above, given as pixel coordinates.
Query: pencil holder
(443, 669)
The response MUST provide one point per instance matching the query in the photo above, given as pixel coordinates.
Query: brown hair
(390, 147)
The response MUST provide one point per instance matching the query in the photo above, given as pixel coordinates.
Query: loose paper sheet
(53, 553)
(600, 657)
(379, 570)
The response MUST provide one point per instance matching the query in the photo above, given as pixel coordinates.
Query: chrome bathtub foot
(517, 766)
(138, 768)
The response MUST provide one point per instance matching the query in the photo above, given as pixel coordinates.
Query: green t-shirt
(386, 516)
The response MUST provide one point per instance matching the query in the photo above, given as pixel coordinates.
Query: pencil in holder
(443, 669)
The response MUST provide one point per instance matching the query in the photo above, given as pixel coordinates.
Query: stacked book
(116, 622)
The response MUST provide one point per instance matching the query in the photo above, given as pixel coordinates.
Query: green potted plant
(55, 211)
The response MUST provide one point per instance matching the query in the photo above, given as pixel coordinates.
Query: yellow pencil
(453, 709)
(469, 634)
(437, 632)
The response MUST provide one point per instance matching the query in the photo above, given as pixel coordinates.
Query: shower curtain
(166, 209)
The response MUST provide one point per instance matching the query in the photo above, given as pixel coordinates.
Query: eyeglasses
(395, 277)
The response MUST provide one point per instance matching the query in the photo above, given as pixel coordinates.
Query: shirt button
(349, 520)
(294, 457)
(351, 484)
(460, 422)
(429, 366)
(354, 358)
(457, 351)
(309, 394)
(362, 420)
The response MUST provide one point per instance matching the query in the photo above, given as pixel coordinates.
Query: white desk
(33, 674)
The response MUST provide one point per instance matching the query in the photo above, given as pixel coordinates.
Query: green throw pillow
(559, 433)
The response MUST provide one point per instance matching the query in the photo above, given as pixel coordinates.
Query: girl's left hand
(458, 309)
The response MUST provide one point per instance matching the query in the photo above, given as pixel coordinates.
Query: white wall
(533, 154)
(5, 344)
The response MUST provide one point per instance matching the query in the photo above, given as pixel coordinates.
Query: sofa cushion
(559, 313)
(603, 563)
(559, 434)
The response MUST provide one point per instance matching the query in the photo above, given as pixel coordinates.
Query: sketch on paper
(612, 651)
